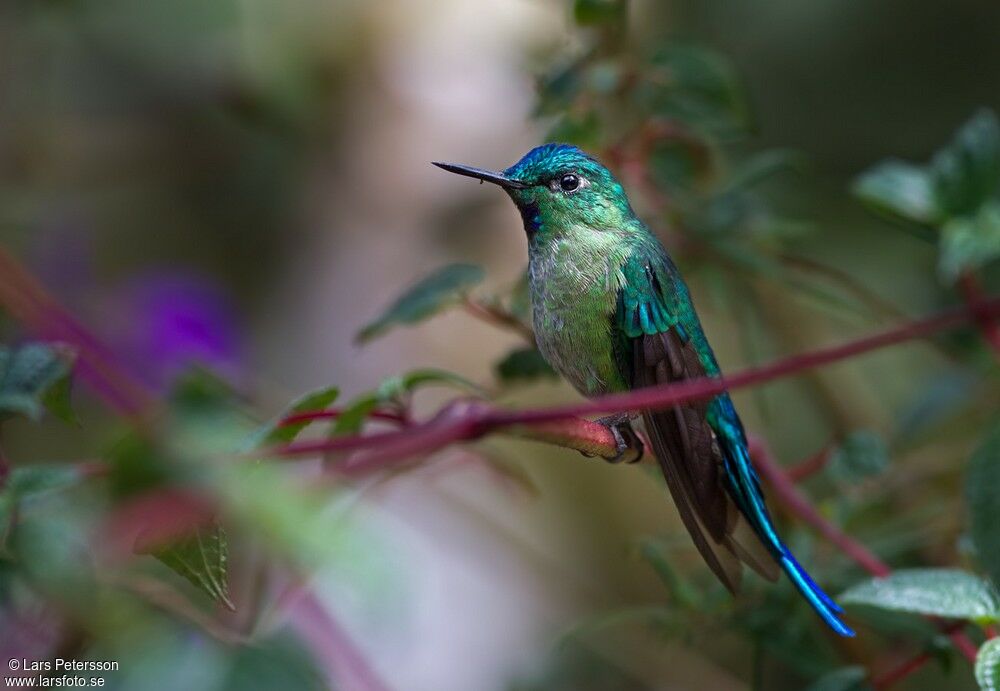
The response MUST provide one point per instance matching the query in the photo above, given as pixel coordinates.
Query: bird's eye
(569, 182)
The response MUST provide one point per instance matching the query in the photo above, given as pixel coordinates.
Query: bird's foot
(629, 445)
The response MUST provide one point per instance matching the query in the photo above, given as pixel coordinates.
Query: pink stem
(334, 413)
(972, 291)
(477, 421)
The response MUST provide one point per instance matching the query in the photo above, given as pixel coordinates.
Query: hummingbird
(612, 313)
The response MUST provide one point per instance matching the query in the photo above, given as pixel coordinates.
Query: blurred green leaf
(281, 662)
(393, 393)
(988, 665)
(948, 593)
(395, 388)
(25, 483)
(275, 433)
(680, 589)
(898, 189)
(201, 559)
(853, 678)
(444, 287)
(966, 173)
(523, 364)
(863, 453)
(353, 416)
(35, 377)
(970, 242)
(982, 492)
(593, 12)
(697, 87)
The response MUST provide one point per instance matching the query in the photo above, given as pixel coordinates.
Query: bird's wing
(655, 347)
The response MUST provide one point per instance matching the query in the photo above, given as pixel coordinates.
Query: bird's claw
(629, 445)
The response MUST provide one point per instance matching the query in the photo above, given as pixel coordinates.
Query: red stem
(334, 413)
(975, 298)
(887, 679)
(477, 421)
(809, 467)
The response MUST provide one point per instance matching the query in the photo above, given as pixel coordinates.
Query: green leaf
(274, 433)
(393, 393)
(444, 287)
(949, 593)
(354, 415)
(523, 364)
(201, 559)
(395, 388)
(966, 173)
(34, 377)
(970, 241)
(983, 500)
(898, 189)
(988, 665)
(853, 678)
(28, 482)
(595, 12)
(862, 454)
(697, 87)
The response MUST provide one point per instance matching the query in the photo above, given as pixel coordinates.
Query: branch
(464, 421)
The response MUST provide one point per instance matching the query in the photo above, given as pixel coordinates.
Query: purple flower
(168, 321)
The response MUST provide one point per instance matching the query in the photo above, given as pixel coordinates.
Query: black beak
(483, 175)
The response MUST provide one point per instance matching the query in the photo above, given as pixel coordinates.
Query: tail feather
(745, 487)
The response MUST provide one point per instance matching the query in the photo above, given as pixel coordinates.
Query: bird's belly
(573, 331)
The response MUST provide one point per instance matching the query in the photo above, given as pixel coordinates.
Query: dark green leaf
(853, 678)
(33, 376)
(863, 453)
(201, 559)
(274, 433)
(523, 364)
(696, 87)
(988, 665)
(970, 241)
(278, 663)
(591, 12)
(898, 189)
(948, 593)
(966, 173)
(439, 290)
(983, 497)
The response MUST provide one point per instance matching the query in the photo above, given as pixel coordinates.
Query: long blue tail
(744, 486)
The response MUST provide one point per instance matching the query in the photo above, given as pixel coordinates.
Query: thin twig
(498, 316)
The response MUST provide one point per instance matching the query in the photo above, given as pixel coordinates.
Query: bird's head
(557, 187)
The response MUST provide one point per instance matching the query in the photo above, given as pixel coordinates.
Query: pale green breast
(575, 281)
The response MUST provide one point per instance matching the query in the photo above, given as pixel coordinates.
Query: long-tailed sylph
(612, 313)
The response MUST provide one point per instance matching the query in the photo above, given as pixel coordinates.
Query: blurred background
(245, 184)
